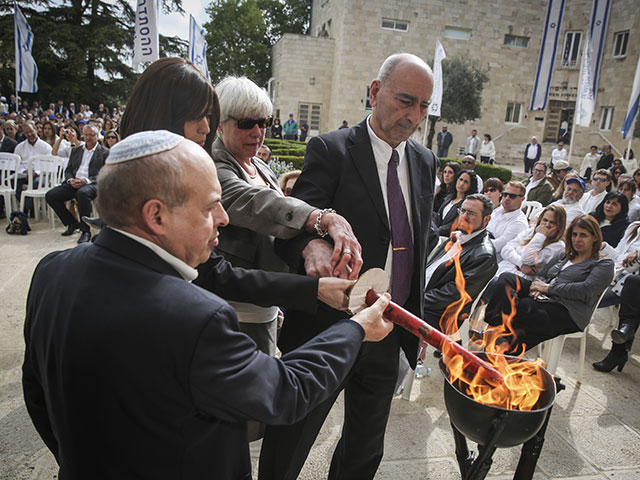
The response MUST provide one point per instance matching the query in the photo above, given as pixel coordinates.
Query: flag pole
(573, 130)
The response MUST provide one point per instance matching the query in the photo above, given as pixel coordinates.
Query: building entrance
(559, 121)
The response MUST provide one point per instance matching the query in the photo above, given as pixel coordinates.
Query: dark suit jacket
(445, 222)
(8, 144)
(340, 173)
(479, 265)
(98, 158)
(132, 372)
(538, 153)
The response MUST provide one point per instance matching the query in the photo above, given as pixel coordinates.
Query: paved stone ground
(594, 431)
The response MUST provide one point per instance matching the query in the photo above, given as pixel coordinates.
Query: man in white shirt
(30, 146)
(532, 154)
(601, 185)
(507, 221)
(81, 173)
(558, 154)
(473, 144)
(573, 192)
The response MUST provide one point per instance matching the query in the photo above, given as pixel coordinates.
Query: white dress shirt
(382, 154)
(532, 151)
(558, 154)
(634, 209)
(26, 151)
(83, 169)
(573, 210)
(505, 226)
(591, 200)
(515, 255)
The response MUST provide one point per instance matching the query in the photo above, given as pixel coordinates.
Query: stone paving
(594, 431)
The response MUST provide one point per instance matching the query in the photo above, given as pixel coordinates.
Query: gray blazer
(578, 287)
(256, 214)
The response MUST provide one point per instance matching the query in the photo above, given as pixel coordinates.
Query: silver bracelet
(319, 230)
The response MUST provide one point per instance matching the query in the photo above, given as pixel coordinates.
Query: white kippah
(142, 144)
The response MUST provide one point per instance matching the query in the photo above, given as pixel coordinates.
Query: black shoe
(71, 229)
(95, 222)
(611, 361)
(623, 333)
(84, 237)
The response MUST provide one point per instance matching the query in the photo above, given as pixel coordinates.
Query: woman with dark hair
(492, 188)
(627, 186)
(611, 215)
(276, 129)
(49, 133)
(630, 164)
(615, 174)
(110, 138)
(561, 298)
(487, 150)
(447, 185)
(173, 95)
(465, 183)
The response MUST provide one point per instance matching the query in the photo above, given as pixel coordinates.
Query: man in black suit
(131, 371)
(532, 153)
(356, 171)
(80, 177)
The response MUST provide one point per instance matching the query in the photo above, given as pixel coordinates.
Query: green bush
(296, 160)
(484, 170)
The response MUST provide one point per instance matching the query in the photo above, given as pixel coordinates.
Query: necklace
(252, 177)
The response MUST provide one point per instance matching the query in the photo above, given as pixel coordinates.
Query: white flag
(436, 96)
(198, 46)
(586, 100)
(547, 57)
(145, 36)
(26, 68)
(634, 100)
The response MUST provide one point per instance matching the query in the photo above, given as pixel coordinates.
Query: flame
(523, 381)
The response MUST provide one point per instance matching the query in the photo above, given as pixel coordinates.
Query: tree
(83, 48)
(463, 81)
(241, 33)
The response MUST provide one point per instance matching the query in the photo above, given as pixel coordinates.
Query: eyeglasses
(511, 195)
(490, 190)
(463, 211)
(539, 170)
(249, 123)
(466, 161)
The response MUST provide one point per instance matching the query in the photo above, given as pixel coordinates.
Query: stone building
(324, 77)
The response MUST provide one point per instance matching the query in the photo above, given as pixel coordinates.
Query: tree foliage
(241, 33)
(83, 48)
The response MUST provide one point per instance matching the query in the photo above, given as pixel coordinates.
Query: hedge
(296, 160)
(484, 170)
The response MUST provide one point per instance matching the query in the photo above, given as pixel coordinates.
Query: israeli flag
(634, 100)
(586, 100)
(597, 34)
(198, 46)
(26, 68)
(436, 96)
(547, 57)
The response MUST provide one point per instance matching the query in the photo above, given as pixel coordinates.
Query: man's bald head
(392, 61)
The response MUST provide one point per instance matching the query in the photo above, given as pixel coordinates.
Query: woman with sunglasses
(615, 174)
(492, 188)
(447, 185)
(465, 183)
(110, 138)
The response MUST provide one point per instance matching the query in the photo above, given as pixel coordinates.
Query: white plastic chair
(552, 349)
(49, 168)
(9, 163)
(529, 207)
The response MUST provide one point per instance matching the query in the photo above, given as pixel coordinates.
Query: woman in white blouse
(487, 150)
(530, 251)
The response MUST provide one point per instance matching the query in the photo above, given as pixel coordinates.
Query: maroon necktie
(402, 269)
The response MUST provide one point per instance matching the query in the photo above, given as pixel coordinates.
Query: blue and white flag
(586, 101)
(547, 57)
(436, 96)
(145, 35)
(597, 33)
(634, 100)
(26, 68)
(198, 46)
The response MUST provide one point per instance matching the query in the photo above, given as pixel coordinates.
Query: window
(620, 44)
(571, 49)
(367, 103)
(457, 33)
(311, 114)
(606, 118)
(516, 41)
(513, 112)
(399, 25)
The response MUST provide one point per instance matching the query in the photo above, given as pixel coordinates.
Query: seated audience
(493, 188)
(627, 186)
(49, 133)
(558, 173)
(507, 221)
(531, 250)
(574, 189)
(448, 213)
(601, 184)
(468, 162)
(32, 145)
(80, 176)
(287, 180)
(562, 297)
(110, 138)
(616, 172)
(477, 260)
(611, 215)
(448, 184)
(538, 188)
(7, 144)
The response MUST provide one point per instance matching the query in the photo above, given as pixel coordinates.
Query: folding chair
(529, 207)
(48, 167)
(9, 163)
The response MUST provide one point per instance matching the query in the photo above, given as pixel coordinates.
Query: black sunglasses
(111, 137)
(511, 195)
(249, 123)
